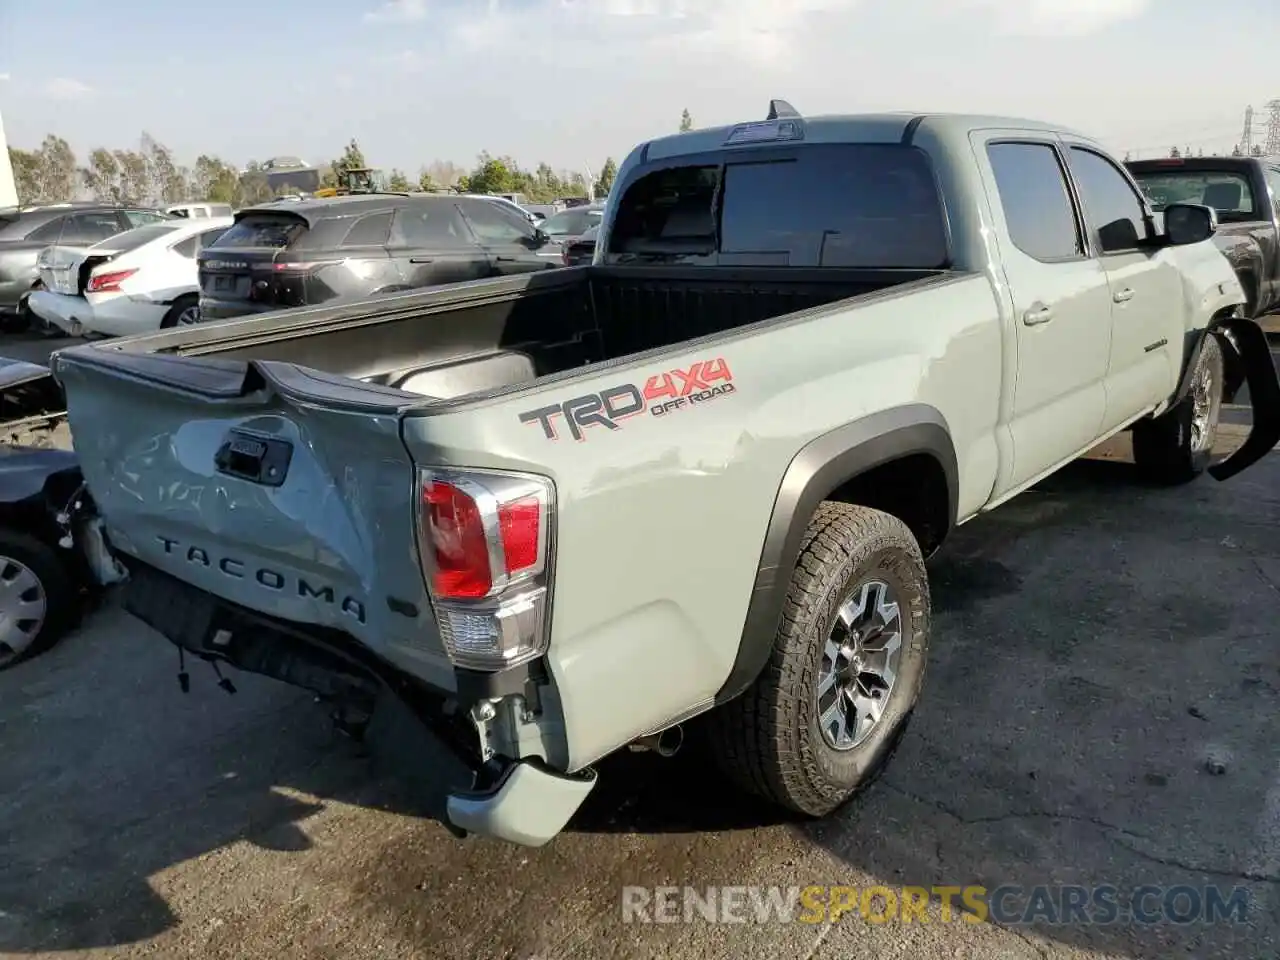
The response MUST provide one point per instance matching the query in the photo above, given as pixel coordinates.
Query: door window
(140, 218)
(90, 228)
(430, 225)
(371, 230)
(1037, 206)
(1112, 207)
(49, 232)
(492, 224)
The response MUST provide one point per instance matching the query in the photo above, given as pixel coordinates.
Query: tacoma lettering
(662, 393)
(265, 577)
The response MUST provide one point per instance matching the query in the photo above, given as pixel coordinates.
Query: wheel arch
(1235, 372)
(900, 460)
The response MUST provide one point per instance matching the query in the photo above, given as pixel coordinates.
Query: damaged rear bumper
(522, 801)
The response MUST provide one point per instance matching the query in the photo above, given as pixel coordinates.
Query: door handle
(1124, 296)
(1037, 315)
(422, 259)
(506, 259)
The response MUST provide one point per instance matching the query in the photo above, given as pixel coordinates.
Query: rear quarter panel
(662, 521)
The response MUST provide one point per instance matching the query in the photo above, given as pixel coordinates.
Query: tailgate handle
(255, 458)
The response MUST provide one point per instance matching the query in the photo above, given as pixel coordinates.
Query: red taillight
(461, 562)
(108, 282)
(456, 535)
(484, 540)
(519, 523)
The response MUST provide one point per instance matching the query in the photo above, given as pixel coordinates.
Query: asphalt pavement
(1099, 712)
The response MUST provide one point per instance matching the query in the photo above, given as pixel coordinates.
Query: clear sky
(574, 81)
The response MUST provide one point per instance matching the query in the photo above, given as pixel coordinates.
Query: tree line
(149, 174)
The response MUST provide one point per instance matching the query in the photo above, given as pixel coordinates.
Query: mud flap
(1248, 342)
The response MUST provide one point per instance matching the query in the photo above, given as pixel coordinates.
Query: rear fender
(820, 468)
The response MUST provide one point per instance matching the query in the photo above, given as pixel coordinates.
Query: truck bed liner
(558, 321)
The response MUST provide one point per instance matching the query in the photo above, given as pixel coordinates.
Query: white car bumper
(66, 313)
(114, 317)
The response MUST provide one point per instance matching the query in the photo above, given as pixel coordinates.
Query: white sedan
(137, 281)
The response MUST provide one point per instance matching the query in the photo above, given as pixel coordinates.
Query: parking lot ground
(1098, 647)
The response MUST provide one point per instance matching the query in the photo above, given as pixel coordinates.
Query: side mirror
(1186, 223)
(540, 238)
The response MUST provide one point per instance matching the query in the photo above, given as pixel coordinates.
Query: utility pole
(1246, 138)
(1273, 129)
(8, 189)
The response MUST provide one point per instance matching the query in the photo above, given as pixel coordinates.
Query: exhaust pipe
(664, 743)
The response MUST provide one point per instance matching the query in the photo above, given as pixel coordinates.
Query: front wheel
(37, 599)
(846, 668)
(1176, 446)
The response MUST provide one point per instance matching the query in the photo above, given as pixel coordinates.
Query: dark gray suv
(25, 231)
(281, 255)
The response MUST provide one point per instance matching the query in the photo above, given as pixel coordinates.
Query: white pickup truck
(691, 485)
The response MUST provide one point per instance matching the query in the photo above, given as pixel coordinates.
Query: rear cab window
(263, 230)
(1228, 192)
(858, 205)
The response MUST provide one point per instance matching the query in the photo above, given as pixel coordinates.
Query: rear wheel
(1176, 446)
(846, 668)
(184, 312)
(37, 600)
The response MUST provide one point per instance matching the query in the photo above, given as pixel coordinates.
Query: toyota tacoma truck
(690, 486)
(1245, 194)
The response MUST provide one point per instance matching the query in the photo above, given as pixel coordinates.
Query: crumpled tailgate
(222, 474)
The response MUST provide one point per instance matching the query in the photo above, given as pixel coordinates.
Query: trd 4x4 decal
(661, 394)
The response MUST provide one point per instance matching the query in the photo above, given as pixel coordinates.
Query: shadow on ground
(1095, 644)
(1098, 647)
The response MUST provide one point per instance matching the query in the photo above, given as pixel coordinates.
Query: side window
(192, 245)
(371, 230)
(140, 218)
(430, 225)
(1033, 194)
(493, 224)
(49, 232)
(209, 236)
(90, 228)
(1112, 207)
(1273, 181)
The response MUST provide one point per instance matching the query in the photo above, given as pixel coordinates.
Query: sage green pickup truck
(688, 487)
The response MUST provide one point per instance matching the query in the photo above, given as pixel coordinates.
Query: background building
(291, 175)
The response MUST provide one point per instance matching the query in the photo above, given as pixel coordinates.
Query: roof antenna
(778, 109)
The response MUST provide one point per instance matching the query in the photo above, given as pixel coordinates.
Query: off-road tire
(61, 602)
(1164, 448)
(767, 741)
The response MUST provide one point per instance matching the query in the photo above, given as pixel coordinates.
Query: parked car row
(26, 231)
(345, 248)
(140, 280)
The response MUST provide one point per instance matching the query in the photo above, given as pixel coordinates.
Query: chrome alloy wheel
(23, 608)
(189, 316)
(859, 665)
(1201, 407)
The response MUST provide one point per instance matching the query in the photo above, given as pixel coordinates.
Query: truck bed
(490, 335)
